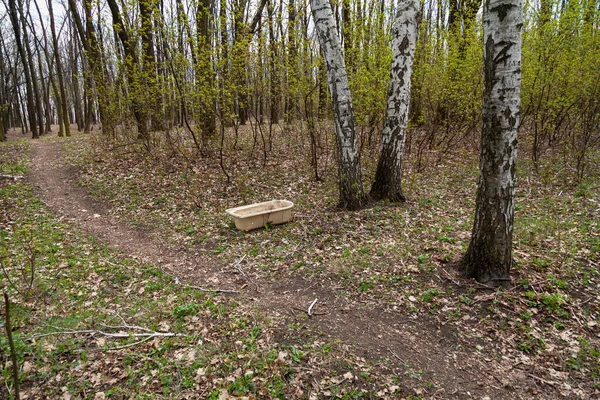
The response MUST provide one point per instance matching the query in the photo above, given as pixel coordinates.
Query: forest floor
(142, 287)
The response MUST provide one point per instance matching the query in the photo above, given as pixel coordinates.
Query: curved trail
(57, 184)
(374, 334)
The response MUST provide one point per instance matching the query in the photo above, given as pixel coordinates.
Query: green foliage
(560, 85)
(553, 301)
(186, 309)
(530, 343)
(429, 295)
(447, 84)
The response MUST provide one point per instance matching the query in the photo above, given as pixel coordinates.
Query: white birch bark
(489, 256)
(387, 184)
(350, 180)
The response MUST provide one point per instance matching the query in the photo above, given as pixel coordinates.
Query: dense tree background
(204, 78)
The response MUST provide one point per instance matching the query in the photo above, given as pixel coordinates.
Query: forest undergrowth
(398, 258)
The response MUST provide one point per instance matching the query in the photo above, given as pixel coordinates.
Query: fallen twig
(483, 285)
(130, 344)
(178, 282)
(541, 380)
(298, 248)
(112, 335)
(396, 355)
(241, 271)
(447, 276)
(303, 311)
(237, 265)
(126, 327)
(119, 335)
(210, 290)
(13, 177)
(309, 312)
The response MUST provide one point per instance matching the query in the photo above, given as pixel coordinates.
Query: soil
(374, 332)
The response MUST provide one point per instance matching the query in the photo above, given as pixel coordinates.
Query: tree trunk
(131, 65)
(388, 184)
(59, 71)
(14, 19)
(293, 74)
(39, 111)
(45, 95)
(489, 256)
(224, 93)
(347, 36)
(76, 94)
(205, 75)
(46, 126)
(99, 72)
(5, 98)
(21, 112)
(352, 196)
(153, 100)
(274, 95)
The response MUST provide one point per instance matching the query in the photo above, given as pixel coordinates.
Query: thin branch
(210, 290)
(178, 282)
(241, 271)
(13, 177)
(396, 355)
(309, 312)
(126, 327)
(149, 334)
(13, 352)
(237, 265)
(130, 344)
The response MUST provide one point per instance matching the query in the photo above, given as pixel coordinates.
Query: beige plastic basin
(257, 215)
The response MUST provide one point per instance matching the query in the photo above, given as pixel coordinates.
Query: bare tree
(59, 71)
(16, 24)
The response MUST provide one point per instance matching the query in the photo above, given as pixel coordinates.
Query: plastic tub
(257, 215)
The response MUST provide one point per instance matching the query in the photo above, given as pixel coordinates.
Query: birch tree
(352, 196)
(387, 184)
(489, 256)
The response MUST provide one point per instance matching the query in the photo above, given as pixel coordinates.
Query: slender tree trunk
(46, 123)
(5, 98)
(14, 19)
(292, 61)
(131, 64)
(21, 113)
(352, 196)
(45, 95)
(347, 36)
(489, 256)
(239, 56)
(64, 105)
(274, 95)
(39, 111)
(153, 100)
(49, 61)
(75, 86)
(98, 67)
(76, 94)
(388, 183)
(225, 104)
(205, 75)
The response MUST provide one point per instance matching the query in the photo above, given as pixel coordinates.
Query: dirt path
(375, 333)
